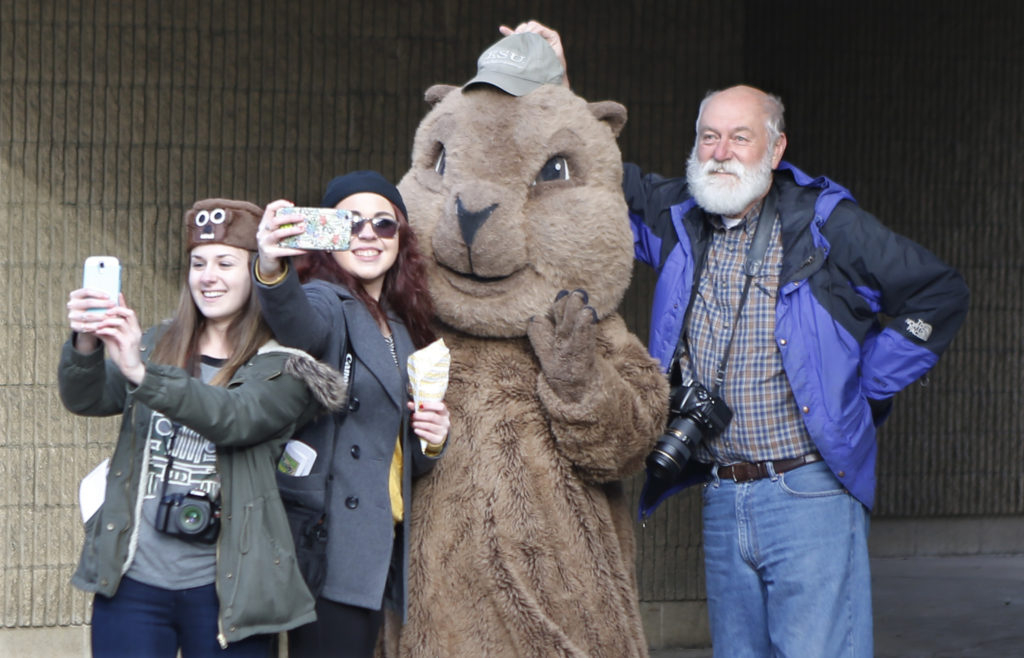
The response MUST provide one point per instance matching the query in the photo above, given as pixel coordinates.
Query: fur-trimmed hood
(327, 385)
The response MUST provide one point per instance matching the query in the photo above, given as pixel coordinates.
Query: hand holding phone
(326, 229)
(101, 278)
(102, 274)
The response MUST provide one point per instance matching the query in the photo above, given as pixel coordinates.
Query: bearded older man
(787, 335)
(787, 318)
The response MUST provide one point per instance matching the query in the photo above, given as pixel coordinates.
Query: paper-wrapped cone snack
(428, 374)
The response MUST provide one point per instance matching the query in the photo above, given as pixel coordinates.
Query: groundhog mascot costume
(521, 540)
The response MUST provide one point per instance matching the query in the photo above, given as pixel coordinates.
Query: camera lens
(673, 449)
(661, 465)
(192, 518)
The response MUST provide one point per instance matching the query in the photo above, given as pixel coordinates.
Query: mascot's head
(515, 198)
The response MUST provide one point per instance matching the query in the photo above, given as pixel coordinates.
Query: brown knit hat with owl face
(223, 221)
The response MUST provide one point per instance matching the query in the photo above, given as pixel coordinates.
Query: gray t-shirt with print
(162, 560)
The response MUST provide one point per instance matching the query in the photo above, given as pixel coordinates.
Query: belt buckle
(736, 473)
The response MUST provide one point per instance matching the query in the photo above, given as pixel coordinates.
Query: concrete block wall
(114, 117)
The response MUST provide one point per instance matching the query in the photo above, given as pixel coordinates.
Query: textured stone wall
(114, 117)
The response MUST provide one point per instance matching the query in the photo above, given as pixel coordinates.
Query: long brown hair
(178, 345)
(405, 284)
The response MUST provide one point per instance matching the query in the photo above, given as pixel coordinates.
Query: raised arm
(551, 36)
(298, 315)
(89, 384)
(263, 401)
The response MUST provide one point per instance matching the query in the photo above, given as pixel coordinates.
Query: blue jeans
(786, 563)
(143, 621)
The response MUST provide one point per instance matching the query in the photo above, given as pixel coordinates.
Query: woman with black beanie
(368, 301)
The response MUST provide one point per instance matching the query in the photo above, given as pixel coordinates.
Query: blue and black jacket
(842, 271)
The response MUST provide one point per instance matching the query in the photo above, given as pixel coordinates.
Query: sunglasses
(383, 227)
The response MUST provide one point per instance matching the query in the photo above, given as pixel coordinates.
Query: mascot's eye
(218, 215)
(439, 163)
(202, 218)
(557, 168)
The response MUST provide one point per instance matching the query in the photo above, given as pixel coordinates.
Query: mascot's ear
(612, 113)
(438, 92)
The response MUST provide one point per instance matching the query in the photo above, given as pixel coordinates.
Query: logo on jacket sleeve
(919, 329)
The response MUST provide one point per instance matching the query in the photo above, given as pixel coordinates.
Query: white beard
(727, 195)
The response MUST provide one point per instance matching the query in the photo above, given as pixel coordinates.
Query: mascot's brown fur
(522, 542)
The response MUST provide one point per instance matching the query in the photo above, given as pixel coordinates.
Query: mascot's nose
(470, 221)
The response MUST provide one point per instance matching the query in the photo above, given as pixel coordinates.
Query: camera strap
(751, 268)
(169, 447)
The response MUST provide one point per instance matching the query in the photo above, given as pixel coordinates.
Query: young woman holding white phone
(191, 548)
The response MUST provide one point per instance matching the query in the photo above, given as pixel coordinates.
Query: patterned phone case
(327, 229)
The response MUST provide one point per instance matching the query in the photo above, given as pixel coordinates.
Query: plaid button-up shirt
(766, 423)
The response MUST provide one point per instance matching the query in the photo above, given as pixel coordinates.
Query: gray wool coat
(364, 544)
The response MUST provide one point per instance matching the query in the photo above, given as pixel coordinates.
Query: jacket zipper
(221, 638)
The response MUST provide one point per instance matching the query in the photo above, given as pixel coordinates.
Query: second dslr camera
(695, 415)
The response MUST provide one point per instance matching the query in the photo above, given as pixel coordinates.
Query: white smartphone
(102, 273)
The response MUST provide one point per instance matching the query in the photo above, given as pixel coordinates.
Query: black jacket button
(351, 502)
(354, 452)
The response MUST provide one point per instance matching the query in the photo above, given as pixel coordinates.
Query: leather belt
(747, 471)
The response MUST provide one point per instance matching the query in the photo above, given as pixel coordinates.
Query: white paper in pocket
(93, 489)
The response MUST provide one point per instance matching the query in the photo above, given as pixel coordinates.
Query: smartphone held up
(327, 229)
(102, 274)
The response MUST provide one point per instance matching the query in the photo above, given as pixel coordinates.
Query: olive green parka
(258, 584)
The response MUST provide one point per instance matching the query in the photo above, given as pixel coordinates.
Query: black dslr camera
(694, 415)
(192, 517)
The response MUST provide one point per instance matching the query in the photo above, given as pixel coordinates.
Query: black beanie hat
(361, 181)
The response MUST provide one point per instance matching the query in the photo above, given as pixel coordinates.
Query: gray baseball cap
(518, 64)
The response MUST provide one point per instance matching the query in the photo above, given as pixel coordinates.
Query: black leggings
(339, 630)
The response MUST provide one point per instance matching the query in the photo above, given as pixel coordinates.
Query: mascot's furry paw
(564, 342)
